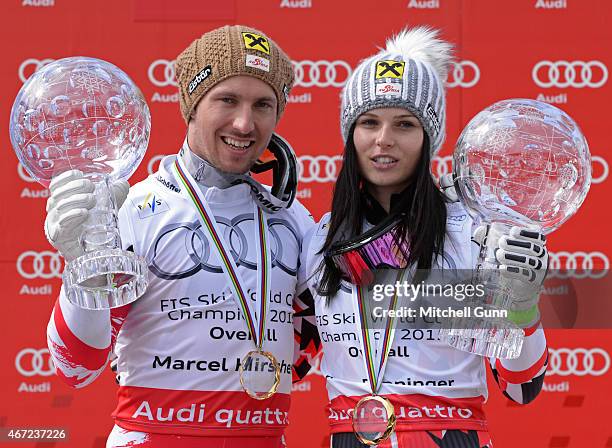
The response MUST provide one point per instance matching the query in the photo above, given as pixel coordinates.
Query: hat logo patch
(257, 62)
(201, 76)
(434, 117)
(390, 69)
(257, 42)
(389, 88)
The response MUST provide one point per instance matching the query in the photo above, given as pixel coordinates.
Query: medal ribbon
(207, 220)
(375, 367)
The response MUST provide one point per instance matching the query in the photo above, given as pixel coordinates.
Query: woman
(393, 120)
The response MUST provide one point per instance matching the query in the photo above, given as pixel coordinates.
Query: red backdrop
(553, 50)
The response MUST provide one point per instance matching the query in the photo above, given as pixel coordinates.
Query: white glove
(72, 197)
(448, 187)
(523, 264)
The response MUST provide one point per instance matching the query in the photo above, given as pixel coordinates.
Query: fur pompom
(422, 44)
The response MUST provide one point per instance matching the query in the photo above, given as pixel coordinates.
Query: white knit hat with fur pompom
(410, 74)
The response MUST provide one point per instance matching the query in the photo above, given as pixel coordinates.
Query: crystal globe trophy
(86, 114)
(518, 162)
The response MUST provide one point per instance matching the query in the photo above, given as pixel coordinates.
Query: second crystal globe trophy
(519, 162)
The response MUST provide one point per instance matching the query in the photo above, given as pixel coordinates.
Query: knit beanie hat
(409, 73)
(230, 51)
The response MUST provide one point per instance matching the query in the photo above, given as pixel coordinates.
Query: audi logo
(310, 168)
(307, 73)
(576, 74)
(464, 74)
(577, 264)
(326, 168)
(30, 66)
(31, 362)
(319, 168)
(153, 163)
(604, 165)
(161, 73)
(442, 165)
(578, 361)
(23, 174)
(321, 73)
(45, 264)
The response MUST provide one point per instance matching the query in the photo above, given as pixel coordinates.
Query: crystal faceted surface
(80, 113)
(522, 161)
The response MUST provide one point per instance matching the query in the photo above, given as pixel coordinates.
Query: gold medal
(259, 374)
(259, 371)
(374, 416)
(373, 419)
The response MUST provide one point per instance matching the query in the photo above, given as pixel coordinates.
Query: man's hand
(72, 198)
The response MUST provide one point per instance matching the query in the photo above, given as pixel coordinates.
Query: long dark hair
(424, 208)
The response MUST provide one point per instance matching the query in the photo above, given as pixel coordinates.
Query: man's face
(232, 124)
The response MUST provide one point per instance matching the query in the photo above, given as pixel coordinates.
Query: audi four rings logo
(29, 66)
(604, 166)
(307, 73)
(319, 168)
(578, 74)
(578, 264)
(45, 264)
(578, 361)
(154, 163)
(161, 73)
(321, 73)
(464, 74)
(31, 362)
(23, 174)
(442, 165)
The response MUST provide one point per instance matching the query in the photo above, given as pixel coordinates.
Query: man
(187, 352)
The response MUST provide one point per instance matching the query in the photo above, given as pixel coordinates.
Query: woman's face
(389, 143)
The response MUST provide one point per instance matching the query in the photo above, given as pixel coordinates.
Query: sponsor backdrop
(555, 51)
